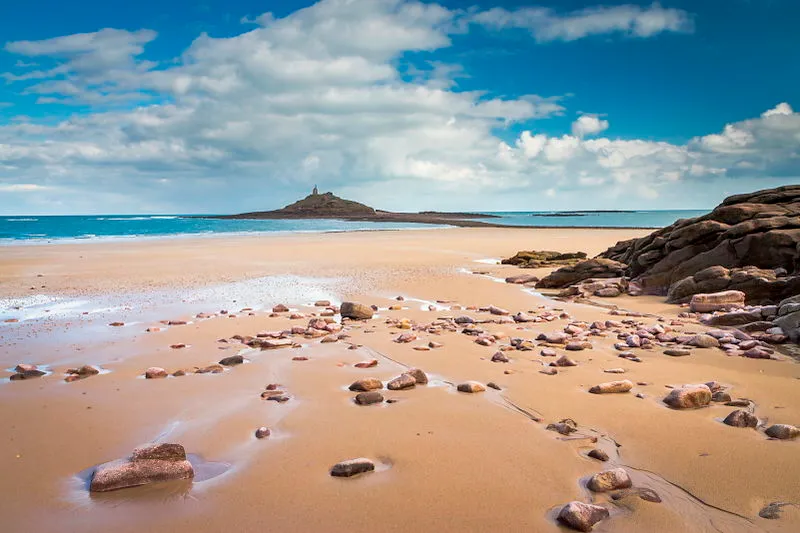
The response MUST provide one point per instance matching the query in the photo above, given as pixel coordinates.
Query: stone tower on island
(315, 191)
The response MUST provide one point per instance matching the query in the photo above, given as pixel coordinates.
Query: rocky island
(328, 205)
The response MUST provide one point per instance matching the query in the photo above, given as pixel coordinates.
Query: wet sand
(447, 461)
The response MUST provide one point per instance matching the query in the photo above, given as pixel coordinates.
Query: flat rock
(211, 369)
(612, 387)
(148, 464)
(352, 467)
(677, 352)
(717, 301)
(582, 516)
(704, 341)
(366, 364)
(366, 384)
(522, 279)
(741, 402)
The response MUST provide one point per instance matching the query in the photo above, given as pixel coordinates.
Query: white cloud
(588, 125)
(781, 109)
(21, 187)
(546, 24)
(91, 67)
(322, 96)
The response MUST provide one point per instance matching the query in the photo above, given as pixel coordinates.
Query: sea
(50, 229)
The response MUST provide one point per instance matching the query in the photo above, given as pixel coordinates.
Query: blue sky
(215, 107)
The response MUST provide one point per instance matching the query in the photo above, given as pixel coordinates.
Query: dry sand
(447, 461)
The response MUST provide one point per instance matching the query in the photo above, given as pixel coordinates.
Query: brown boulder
(368, 398)
(403, 381)
(366, 384)
(613, 479)
(741, 419)
(155, 372)
(612, 387)
(470, 387)
(783, 431)
(689, 397)
(582, 516)
(233, 360)
(355, 311)
(148, 464)
(419, 376)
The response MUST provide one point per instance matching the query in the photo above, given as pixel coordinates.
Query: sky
(228, 106)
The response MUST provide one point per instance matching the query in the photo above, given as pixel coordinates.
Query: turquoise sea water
(16, 229)
(594, 219)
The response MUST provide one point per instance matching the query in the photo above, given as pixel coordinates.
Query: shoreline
(236, 234)
(477, 453)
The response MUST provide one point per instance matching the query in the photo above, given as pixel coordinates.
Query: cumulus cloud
(324, 95)
(546, 24)
(588, 125)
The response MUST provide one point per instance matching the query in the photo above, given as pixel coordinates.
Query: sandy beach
(446, 460)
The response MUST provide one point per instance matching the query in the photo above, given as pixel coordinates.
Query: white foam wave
(22, 220)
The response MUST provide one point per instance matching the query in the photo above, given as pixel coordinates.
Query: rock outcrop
(603, 288)
(760, 230)
(148, 464)
(789, 317)
(544, 259)
(759, 285)
(589, 269)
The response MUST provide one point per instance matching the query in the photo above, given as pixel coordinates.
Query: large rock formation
(761, 230)
(759, 285)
